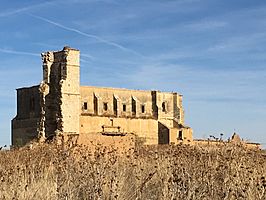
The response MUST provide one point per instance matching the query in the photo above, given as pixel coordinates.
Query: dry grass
(53, 172)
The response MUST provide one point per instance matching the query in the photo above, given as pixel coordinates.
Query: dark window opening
(124, 108)
(180, 135)
(95, 103)
(143, 108)
(105, 106)
(112, 122)
(133, 106)
(85, 105)
(163, 107)
(115, 106)
(32, 104)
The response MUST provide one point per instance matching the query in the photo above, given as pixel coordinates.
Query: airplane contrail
(19, 10)
(22, 9)
(18, 52)
(86, 34)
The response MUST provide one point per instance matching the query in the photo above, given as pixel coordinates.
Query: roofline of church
(126, 89)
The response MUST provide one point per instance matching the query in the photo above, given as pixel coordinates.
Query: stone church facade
(60, 106)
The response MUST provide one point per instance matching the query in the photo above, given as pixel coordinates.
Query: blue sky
(213, 52)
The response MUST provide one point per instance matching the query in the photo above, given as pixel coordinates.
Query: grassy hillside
(154, 172)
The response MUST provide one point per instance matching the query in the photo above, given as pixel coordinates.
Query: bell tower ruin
(60, 93)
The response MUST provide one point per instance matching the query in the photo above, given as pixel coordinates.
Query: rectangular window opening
(143, 108)
(124, 108)
(85, 106)
(180, 135)
(95, 104)
(115, 106)
(133, 107)
(105, 106)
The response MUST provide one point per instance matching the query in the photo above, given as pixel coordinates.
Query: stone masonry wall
(61, 75)
(25, 124)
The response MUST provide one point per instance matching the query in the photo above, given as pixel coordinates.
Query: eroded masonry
(60, 106)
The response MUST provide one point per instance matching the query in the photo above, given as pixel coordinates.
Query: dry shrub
(52, 171)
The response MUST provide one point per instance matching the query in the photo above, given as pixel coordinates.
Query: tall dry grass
(54, 172)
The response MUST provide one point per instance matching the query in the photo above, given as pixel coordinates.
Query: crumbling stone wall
(60, 104)
(43, 90)
(52, 96)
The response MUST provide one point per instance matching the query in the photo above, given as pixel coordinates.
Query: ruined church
(60, 106)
